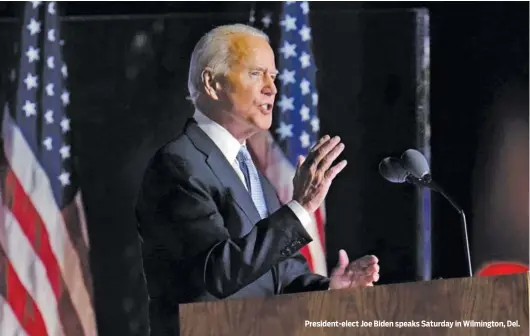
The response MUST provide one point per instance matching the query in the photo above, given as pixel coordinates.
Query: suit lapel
(223, 170)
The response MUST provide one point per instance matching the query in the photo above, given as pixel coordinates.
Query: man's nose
(270, 88)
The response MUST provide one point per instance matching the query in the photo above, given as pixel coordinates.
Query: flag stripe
(33, 326)
(32, 226)
(9, 324)
(319, 219)
(321, 264)
(317, 249)
(26, 281)
(41, 199)
(307, 254)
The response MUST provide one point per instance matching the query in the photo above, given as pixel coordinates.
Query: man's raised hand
(315, 173)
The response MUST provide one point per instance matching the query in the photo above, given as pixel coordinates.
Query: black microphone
(414, 169)
(393, 171)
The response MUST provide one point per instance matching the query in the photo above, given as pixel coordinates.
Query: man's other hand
(362, 272)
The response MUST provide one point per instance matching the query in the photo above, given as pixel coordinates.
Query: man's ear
(211, 84)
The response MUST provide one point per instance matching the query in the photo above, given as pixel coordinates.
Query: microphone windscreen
(392, 170)
(415, 163)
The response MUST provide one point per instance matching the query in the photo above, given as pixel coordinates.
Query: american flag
(45, 282)
(297, 124)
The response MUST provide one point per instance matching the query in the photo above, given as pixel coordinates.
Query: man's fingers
(367, 280)
(367, 260)
(324, 149)
(321, 148)
(372, 277)
(371, 259)
(366, 265)
(335, 170)
(313, 152)
(328, 160)
(319, 143)
(371, 274)
(363, 272)
(368, 269)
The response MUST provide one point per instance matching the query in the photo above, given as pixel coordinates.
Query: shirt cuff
(303, 216)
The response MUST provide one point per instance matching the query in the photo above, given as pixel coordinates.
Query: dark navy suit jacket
(203, 238)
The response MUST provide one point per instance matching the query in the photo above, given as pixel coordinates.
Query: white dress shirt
(230, 147)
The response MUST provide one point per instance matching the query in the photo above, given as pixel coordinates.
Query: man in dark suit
(212, 226)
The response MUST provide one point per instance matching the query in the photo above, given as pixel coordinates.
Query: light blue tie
(252, 180)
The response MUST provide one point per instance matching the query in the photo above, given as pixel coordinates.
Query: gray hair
(212, 51)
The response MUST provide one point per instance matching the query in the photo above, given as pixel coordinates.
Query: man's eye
(255, 73)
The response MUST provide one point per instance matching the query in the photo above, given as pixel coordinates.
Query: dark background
(132, 100)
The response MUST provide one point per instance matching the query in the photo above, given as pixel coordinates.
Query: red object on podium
(502, 268)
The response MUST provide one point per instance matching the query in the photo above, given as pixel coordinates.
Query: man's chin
(265, 127)
(263, 124)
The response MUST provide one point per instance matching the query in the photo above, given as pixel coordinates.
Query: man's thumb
(343, 259)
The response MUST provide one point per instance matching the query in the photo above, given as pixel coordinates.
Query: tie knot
(244, 155)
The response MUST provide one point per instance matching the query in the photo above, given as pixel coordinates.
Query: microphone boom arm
(427, 181)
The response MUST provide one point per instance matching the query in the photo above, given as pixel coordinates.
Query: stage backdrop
(127, 79)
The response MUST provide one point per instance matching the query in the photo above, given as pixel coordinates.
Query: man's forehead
(252, 51)
(244, 43)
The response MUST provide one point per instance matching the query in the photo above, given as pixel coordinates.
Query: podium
(495, 305)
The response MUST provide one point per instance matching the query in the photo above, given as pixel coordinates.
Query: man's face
(247, 91)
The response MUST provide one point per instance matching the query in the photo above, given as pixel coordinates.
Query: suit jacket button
(287, 251)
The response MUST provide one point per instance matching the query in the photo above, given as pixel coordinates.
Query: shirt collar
(223, 139)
